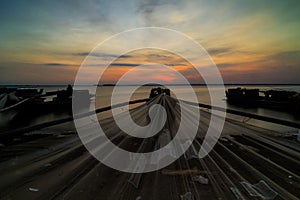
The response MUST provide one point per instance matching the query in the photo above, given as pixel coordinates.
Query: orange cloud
(181, 67)
(164, 78)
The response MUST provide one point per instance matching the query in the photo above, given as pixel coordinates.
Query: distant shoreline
(154, 85)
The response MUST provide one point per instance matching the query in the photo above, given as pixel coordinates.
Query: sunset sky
(45, 42)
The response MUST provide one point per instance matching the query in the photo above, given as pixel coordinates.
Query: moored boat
(33, 101)
(273, 99)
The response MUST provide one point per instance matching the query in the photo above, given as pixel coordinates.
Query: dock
(247, 162)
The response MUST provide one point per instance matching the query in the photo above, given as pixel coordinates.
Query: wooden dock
(247, 162)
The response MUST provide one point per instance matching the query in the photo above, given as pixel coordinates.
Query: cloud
(154, 55)
(29, 73)
(228, 64)
(101, 55)
(147, 9)
(286, 56)
(242, 37)
(137, 64)
(125, 64)
(220, 51)
(56, 64)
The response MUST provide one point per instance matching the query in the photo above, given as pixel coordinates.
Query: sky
(46, 41)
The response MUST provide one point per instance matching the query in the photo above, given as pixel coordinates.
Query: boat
(157, 91)
(14, 96)
(272, 99)
(28, 100)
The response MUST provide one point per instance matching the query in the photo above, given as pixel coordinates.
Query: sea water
(12, 120)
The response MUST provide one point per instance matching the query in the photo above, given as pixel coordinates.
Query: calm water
(12, 120)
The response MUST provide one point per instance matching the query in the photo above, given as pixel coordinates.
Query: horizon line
(151, 84)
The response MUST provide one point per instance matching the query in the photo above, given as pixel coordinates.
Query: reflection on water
(12, 120)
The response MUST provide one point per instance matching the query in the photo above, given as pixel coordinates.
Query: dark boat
(11, 98)
(157, 91)
(32, 101)
(273, 99)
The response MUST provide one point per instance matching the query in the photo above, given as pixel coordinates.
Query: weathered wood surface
(52, 163)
